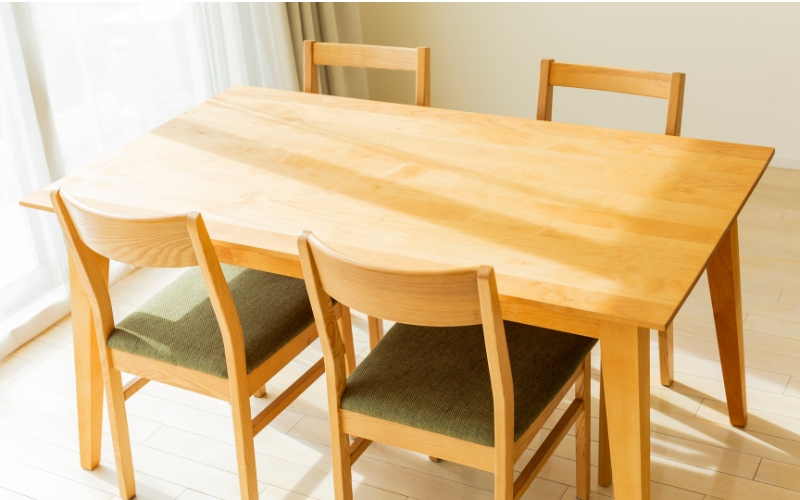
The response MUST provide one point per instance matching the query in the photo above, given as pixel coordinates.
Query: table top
(579, 222)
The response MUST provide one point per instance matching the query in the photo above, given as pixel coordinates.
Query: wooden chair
(221, 331)
(367, 56)
(467, 386)
(623, 81)
(646, 83)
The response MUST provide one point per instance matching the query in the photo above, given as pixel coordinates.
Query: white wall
(742, 62)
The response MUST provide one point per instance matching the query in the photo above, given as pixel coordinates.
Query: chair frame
(450, 298)
(669, 86)
(368, 56)
(92, 238)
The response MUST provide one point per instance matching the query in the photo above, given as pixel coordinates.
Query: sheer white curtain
(78, 80)
(114, 71)
(32, 262)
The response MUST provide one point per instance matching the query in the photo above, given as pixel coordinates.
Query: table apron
(514, 309)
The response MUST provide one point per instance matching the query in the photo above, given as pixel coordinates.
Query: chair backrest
(174, 241)
(368, 56)
(431, 298)
(624, 81)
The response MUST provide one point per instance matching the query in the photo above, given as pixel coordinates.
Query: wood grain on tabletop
(593, 223)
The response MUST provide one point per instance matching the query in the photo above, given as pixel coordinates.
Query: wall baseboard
(789, 163)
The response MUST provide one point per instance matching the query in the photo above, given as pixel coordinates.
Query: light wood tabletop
(592, 231)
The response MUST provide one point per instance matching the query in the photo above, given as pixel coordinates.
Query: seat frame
(669, 86)
(92, 238)
(451, 298)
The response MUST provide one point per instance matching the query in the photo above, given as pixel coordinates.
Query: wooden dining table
(591, 231)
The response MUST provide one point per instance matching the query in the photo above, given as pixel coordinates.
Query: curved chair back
(447, 298)
(440, 298)
(143, 242)
(93, 236)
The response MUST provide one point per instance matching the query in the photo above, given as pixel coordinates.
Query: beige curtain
(328, 22)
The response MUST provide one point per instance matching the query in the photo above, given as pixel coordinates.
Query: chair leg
(261, 392)
(340, 453)
(583, 432)
(666, 356)
(245, 448)
(434, 459)
(504, 480)
(604, 452)
(118, 420)
(375, 331)
(346, 327)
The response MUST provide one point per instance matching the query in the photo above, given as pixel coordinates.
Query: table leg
(88, 373)
(726, 300)
(626, 379)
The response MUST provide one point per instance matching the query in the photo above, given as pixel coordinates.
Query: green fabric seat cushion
(437, 379)
(178, 324)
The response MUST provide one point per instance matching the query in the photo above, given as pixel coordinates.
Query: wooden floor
(183, 443)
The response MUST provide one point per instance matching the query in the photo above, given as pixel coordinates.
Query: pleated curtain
(334, 23)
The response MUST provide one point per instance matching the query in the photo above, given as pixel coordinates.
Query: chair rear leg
(118, 420)
(583, 426)
(346, 327)
(340, 453)
(375, 331)
(604, 451)
(245, 448)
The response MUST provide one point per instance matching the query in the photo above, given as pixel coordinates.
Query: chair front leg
(118, 420)
(504, 481)
(245, 448)
(504, 462)
(342, 463)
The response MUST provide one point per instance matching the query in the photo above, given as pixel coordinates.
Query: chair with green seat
(451, 379)
(218, 330)
(668, 86)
